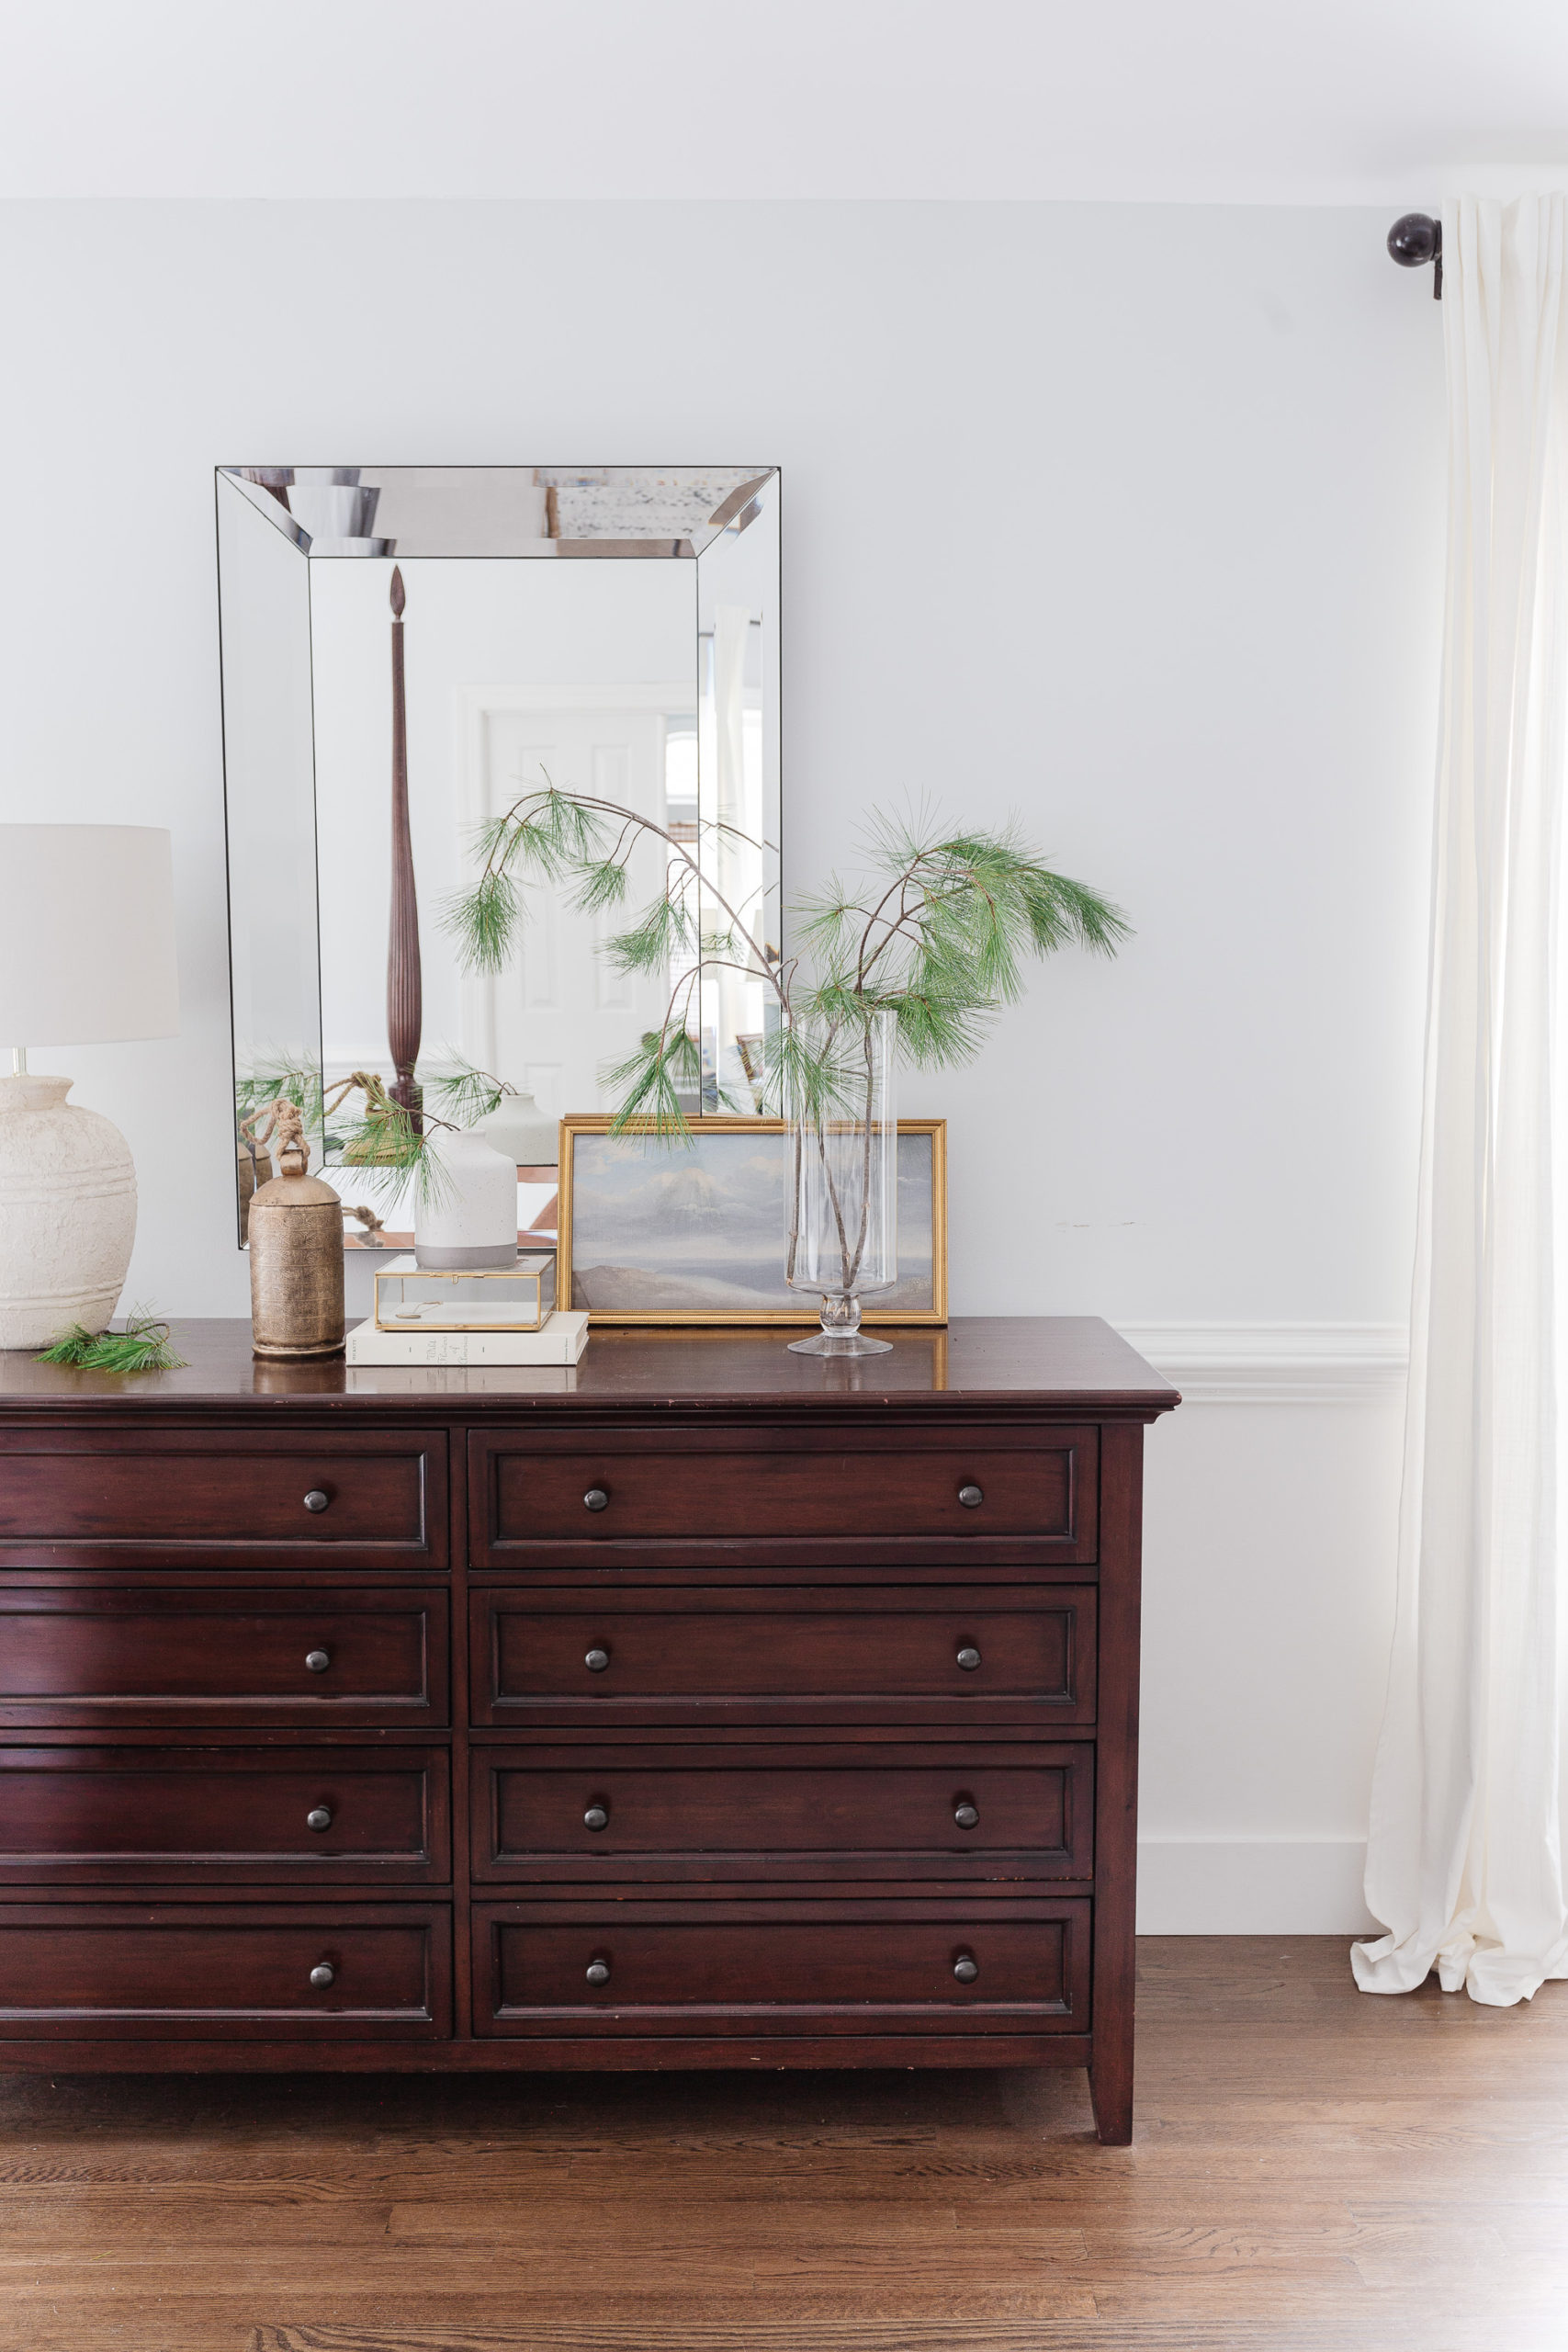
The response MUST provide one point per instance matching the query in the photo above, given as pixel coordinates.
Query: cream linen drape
(1465, 1862)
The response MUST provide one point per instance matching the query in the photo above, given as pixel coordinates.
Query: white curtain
(1465, 1864)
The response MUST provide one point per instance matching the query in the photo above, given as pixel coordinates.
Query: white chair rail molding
(1274, 1364)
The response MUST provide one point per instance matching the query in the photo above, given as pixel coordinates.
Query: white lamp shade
(86, 935)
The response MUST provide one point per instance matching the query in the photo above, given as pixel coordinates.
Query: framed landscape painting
(652, 1232)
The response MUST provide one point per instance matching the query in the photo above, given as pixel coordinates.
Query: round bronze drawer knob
(596, 1661)
(316, 1500)
(596, 1818)
(597, 1499)
(322, 1974)
(966, 1814)
(968, 1658)
(967, 1968)
(971, 1496)
(319, 1817)
(598, 1972)
(318, 1661)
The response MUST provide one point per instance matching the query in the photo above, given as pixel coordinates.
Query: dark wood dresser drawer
(361, 1498)
(586, 1493)
(224, 1816)
(979, 1654)
(757, 1968)
(189, 1655)
(134, 1972)
(754, 1814)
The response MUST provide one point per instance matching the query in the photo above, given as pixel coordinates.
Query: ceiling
(1166, 101)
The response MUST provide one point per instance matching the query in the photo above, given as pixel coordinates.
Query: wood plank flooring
(1314, 2171)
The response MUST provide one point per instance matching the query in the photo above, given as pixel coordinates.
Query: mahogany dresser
(706, 1706)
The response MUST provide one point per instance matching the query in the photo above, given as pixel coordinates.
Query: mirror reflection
(405, 652)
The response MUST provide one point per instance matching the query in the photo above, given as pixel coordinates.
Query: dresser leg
(1116, 1784)
(1110, 2089)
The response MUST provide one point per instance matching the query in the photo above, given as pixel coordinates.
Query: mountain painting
(697, 1230)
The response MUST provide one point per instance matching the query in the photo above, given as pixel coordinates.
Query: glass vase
(841, 1188)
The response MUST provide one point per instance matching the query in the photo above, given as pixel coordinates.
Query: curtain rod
(1415, 240)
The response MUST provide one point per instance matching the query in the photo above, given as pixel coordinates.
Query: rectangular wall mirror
(613, 629)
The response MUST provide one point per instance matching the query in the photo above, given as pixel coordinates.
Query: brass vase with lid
(295, 1237)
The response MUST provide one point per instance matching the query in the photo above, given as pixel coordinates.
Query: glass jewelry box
(411, 1297)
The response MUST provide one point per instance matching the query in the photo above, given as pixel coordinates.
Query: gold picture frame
(583, 1126)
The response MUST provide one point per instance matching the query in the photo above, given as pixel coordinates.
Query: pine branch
(143, 1346)
(279, 1075)
(661, 932)
(385, 1151)
(601, 883)
(650, 1080)
(464, 1092)
(483, 922)
(559, 834)
(941, 939)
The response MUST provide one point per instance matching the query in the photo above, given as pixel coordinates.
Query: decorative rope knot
(280, 1125)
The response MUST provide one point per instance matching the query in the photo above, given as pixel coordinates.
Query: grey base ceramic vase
(466, 1215)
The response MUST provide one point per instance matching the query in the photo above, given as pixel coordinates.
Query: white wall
(1214, 102)
(1128, 519)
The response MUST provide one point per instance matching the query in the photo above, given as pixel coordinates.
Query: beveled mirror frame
(277, 526)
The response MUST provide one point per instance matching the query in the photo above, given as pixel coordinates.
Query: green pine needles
(466, 1094)
(143, 1346)
(938, 934)
(279, 1074)
(387, 1145)
(361, 1128)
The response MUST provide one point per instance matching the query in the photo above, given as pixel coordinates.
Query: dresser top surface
(1073, 1364)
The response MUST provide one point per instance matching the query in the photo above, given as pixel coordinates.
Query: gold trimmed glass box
(411, 1297)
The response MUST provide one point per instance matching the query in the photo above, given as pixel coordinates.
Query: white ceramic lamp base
(67, 1212)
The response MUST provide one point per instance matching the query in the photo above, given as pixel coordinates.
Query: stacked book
(559, 1339)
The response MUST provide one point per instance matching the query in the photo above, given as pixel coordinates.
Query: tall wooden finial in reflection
(405, 1010)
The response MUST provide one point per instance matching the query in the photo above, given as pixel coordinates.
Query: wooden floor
(1314, 2169)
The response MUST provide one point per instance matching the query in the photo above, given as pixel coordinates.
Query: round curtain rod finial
(1415, 239)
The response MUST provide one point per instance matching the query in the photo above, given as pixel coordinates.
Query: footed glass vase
(841, 1190)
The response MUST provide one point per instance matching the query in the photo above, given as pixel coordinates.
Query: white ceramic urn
(67, 1212)
(518, 1127)
(469, 1217)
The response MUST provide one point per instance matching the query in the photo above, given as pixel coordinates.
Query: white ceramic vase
(469, 1218)
(67, 1212)
(519, 1128)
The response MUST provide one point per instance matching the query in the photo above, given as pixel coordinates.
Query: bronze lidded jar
(295, 1237)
